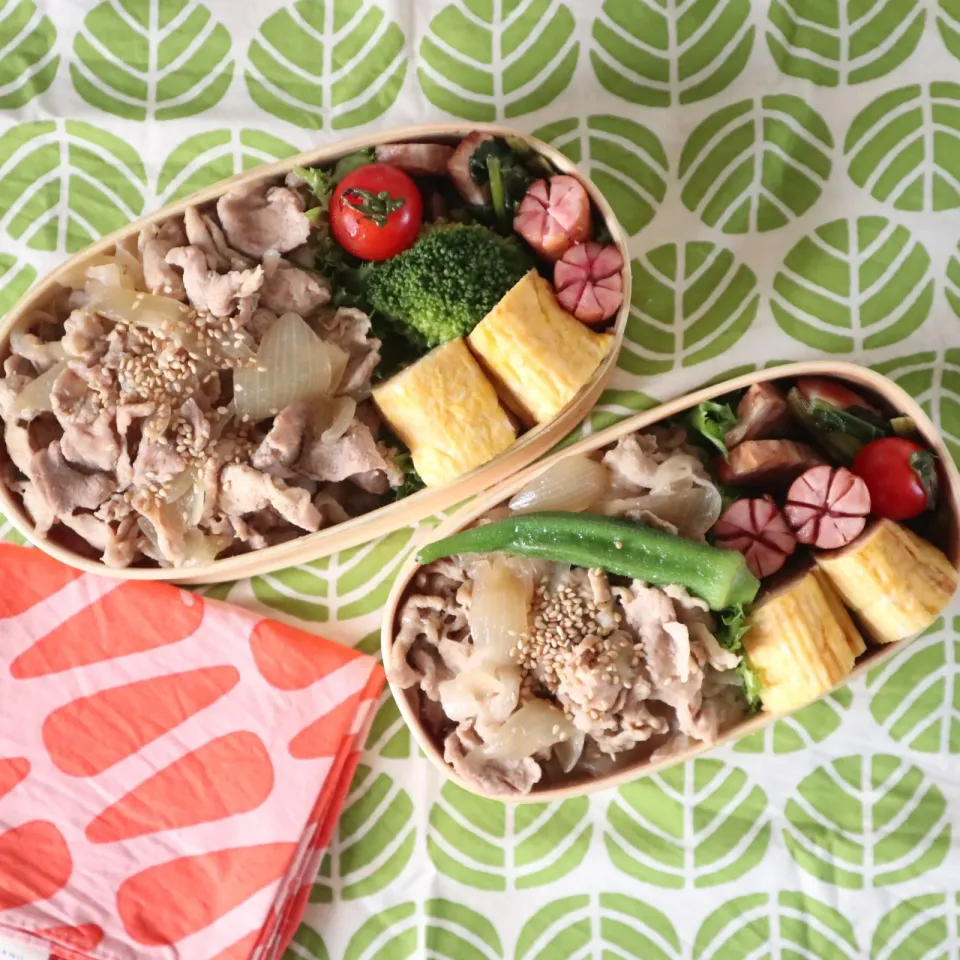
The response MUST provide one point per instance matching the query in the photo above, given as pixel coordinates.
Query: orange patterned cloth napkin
(171, 767)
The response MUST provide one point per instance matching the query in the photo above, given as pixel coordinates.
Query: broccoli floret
(447, 282)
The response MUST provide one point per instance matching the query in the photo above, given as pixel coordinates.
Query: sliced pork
(280, 447)
(356, 452)
(155, 242)
(290, 289)
(244, 491)
(64, 488)
(257, 218)
(94, 446)
(210, 292)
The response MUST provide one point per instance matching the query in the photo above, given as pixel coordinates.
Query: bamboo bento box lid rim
(534, 443)
(860, 376)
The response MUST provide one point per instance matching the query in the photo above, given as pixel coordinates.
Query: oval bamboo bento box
(524, 451)
(860, 378)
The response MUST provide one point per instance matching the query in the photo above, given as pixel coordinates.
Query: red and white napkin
(171, 767)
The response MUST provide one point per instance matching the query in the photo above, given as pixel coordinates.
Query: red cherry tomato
(375, 212)
(900, 475)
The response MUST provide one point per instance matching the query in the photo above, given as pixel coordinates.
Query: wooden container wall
(858, 378)
(533, 444)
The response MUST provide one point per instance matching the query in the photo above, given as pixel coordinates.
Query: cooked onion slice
(572, 484)
(568, 752)
(187, 494)
(293, 363)
(37, 395)
(201, 549)
(76, 276)
(499, 609)
(481, 692)
(128, 256)
(683, 495)
(162, 315)
(111, 275)
(342, 410)
(534, 727)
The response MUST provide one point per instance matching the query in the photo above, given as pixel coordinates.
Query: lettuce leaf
(730, 634)
(712, 421)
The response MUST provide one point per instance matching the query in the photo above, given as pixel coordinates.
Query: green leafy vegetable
(730, 634)
(348, 274)
(446, 283)
(713, 421)
(351, 162)
(322, 182)
(319, 181)
(412, 480)
(505, 170)
(841, 432)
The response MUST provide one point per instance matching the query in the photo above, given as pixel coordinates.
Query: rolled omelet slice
(536, 353)
(801, 642)
(446, 411)
(896, 582)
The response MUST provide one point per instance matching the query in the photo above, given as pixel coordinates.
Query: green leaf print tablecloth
(789, 176)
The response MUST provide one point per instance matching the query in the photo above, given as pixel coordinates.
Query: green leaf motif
(835, 42)
(862, 822)
(853, 285)
(948, 23)
(28, 61)
(440, 930)
(756, 164)
(611, 925)
(935, 384)
(373, 842)
(346, 585)
(151, 59)
(690, 303)
(612, 407)
(916, 696)
(485, 60)
(738, 371)
(494, 846)
(661, 53)
(622, 157)
(389, 736)
(695, 825)
(904, 148)
(791, 925)
(803, 729)
(206, 158)
(311, 942)
(15, 279)
(952, 283)
(918, 928)
(327, 64)
(63, 184)
(9, 533)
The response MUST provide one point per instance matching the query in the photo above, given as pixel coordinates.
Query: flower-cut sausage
(554, 215)
(827, 507)
(756, 528)
(588, 282)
